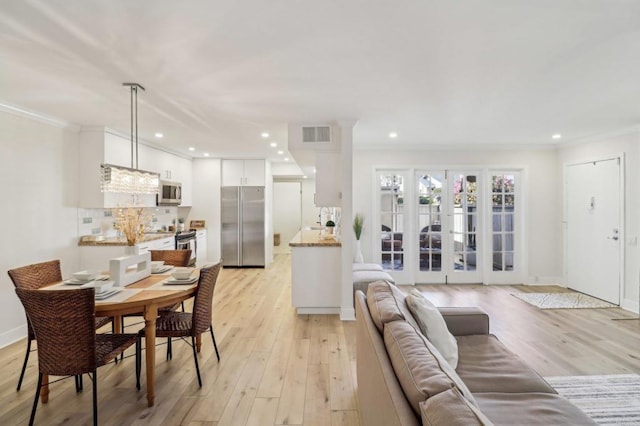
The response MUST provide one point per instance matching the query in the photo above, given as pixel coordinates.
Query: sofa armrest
(465, 321)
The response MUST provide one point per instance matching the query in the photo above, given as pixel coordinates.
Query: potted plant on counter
(358, 224)
(330, 227)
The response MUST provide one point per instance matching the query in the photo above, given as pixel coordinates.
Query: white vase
(357, 258)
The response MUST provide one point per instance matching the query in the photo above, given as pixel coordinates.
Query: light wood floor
(280, 368)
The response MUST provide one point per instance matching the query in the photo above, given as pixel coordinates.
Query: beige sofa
(403, 380)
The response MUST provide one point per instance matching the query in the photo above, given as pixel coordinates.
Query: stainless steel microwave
(170, 193)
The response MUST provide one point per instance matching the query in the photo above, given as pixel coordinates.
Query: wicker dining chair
(34, 277)
(187, 324)
(172, 257)
(64, 324)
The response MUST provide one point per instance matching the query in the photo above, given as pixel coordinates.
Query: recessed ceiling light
(273, 144)
(206, 154)
(264, 135)
(191, 148)
(286, 158)
(304, 177)
(556, 136)
(280, 152)
(159, 135)
(314, 170)
(393, 135)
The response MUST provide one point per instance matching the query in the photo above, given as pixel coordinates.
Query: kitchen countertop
(313, 239)
(115, 241)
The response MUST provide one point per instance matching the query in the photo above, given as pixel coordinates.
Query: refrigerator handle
(239, 229)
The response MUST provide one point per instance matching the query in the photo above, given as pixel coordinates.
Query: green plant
(330, 223)
(181, 220)
(358, 223)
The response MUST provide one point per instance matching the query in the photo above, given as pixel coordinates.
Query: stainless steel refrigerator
(243, 226)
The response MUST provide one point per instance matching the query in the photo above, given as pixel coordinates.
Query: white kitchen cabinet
(98, 145)
(243, 173)
(201, 247)
(316, 280)
(328, 180)
(97, 257)
(168, 243)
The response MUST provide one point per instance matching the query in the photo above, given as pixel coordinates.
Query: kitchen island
(315, 273)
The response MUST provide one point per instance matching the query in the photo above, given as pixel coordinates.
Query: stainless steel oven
(186, 240)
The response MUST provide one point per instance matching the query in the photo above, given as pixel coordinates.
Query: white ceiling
(218, 73)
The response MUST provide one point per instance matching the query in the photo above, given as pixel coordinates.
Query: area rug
(609, 400)
(571, 300)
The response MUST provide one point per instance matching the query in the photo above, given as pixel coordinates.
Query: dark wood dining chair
(191, 324)
(64, 324)
(34, 277)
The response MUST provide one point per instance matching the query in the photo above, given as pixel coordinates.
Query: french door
(450, 226)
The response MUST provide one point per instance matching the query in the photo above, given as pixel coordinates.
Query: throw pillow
(433, 326)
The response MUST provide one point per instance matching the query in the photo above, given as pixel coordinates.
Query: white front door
(593, 226)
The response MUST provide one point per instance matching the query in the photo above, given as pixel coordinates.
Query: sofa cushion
(416, 367)
(382, 304)
(530, 408)
(486, 365)
(367, 267)
(433, 327)
(370, 276)
(450, 408)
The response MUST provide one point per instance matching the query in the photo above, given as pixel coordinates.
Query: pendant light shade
(130, 180)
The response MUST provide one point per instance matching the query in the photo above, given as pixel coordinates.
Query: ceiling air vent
(313, 134)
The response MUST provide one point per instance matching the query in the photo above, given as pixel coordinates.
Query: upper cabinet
(328, 180)
(98, 145)
(243, 173)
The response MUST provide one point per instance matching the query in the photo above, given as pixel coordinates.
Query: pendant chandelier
(130, 180)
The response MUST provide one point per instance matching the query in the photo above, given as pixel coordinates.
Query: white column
(347, 312)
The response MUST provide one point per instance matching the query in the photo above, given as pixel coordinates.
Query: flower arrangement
(358, 223)
(133, 222)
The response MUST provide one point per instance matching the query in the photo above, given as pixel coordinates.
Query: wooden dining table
(146, 301)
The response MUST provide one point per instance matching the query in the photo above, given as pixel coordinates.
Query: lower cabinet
(201, 248)
(97, 256)
(316, 279)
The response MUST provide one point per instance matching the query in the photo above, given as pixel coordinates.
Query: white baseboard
(12, 336)
(347, 314)
(631, 305)
(317, 311)
(538, 280)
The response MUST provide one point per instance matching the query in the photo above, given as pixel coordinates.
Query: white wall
(39, 174)
(543, 189)
(287, 210)
(629, 144)
(309, 210)
(206, 202)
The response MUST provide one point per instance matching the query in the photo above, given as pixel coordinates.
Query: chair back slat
(172, 257)
(203, 302)
(64, 325)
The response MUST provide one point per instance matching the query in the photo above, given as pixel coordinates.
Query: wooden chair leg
(35, 401)
(24, 364)
(195, 358)
(214, 342)
(95, 398)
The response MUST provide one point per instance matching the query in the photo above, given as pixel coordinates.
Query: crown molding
(39, 117)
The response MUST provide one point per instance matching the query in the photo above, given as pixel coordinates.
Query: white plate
(73, 281)
(107, 294)
(172, 281)
(162, 270)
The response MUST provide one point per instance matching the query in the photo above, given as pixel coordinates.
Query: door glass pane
(464, 221)
(391, 196)
(429, 193)
(503, 193)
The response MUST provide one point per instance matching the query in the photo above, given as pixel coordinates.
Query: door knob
(614, 238)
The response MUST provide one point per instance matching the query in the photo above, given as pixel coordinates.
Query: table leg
(150, 316)
(117, 325)
(44, 391)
